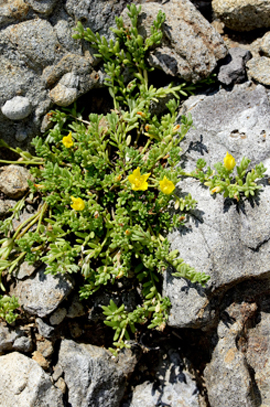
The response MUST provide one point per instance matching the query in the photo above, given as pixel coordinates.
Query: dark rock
(233, 70)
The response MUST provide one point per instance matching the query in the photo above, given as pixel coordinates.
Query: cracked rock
(230, 242)
(85, 367)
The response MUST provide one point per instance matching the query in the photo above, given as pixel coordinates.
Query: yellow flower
(229, 162)
(78, 204)
(67, 141)
(166, 186)
(138, 181)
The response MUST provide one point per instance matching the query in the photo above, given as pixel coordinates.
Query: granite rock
(238, 372)
(13, 181)
(190, 47)
(44, 329)
(259, 70)
(265, 44)
(242, 15)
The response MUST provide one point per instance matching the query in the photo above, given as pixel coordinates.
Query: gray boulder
(92, 376)
(24, 383)
(229, 242)
(184, 53)
(242, 15)
(41, 294)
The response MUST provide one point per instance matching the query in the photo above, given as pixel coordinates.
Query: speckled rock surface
(85, 367)
(265, 44)
(24, 383)
(259, 70)
(13, 181)
(238, 372)
(41, 294)
(190, 47)
(242, 15)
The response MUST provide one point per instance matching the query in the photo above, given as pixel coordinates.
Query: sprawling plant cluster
(223, 180)
(106, 185)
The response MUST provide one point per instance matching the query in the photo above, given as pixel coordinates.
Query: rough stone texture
(191, 47)
(242, 15)
(41, 360)
(238, 373)
(25, 270)
(62, 95)
(229, 242)
(24, 383)
(97, 15)
(44, 329)
(227, 376)
(41, 294)
(259, 69)
(258, 346)
(5, 206)
(15, 340)
(28, 50)
(45, 347)
(39, 57)
(234, 71)
(265, 44)
(17, 108)
(13, 181)
(12, 11)
(44, 7)
(86, 367)
(173, 385)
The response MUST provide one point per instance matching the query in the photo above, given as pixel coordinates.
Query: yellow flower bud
(67, 141)
(78, 204)
(166, 186)
(138, 181)
(229, 162)
(216, 190)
